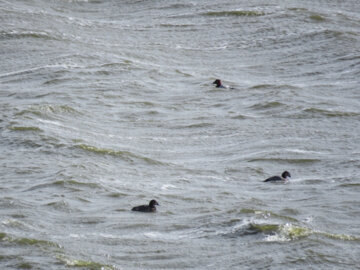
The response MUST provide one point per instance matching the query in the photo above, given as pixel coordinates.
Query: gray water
(106, 105)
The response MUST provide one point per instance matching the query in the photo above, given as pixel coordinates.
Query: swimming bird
(146, 208)
(284, 177)
(218, 84)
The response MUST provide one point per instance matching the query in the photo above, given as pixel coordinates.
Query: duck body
(284, 177)
(218, 84)
(146, 208)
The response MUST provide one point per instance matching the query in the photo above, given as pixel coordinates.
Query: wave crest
(246, 13)
(126, 155)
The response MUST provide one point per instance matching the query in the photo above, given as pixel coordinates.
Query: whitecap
(168, 186)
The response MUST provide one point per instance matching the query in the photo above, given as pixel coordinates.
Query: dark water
(105, 105)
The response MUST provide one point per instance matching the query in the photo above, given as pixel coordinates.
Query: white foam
(168, 186)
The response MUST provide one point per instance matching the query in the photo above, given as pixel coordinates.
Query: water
(108, 104)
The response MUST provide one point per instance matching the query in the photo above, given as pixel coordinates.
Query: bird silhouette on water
(284, 177)
(146, 208)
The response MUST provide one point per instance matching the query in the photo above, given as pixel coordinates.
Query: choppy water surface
(108, 104)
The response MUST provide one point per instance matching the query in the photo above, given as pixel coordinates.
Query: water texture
(105, 105)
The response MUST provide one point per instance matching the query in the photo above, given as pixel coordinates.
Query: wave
(53, 249)
(267, 214)
(22, 72)
(57, 81)
(26, 34)
(286, 160)
(317, 18)
(198, 125)
(75, 183)
(329, 113)
(177, 6)
(240, 117)
(86, 1)
(268, 105)
(183, 73)
(126, 155)
(289, 232)
(283, 232)
(41, 110)
(273, 86)
(350, 185)
(26, 241)
(69, 262)
(69, 184)
(246, 13)
(183, 26)
(328, 34)
(23, 128)
(276, 231)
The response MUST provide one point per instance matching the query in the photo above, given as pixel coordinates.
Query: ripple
(268, 105)
(20, 128)
(48, 109)
(70, 184)
(274, 232)
(27, 34)
(26, 241)
(329, 113)
(241, 13)
(126, 155)
(286, 160)
(70, 262)
(317, 18)
(267, 214)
